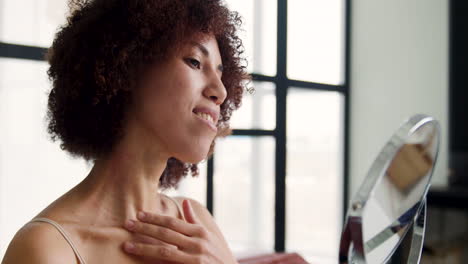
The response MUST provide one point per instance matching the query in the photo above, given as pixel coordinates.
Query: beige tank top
(69, 240)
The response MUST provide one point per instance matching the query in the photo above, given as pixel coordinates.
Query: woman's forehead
(208, 47)
(206, 43)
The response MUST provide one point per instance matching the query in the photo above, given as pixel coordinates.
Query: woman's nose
(215, 90)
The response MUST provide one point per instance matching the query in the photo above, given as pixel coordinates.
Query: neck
(122, 184)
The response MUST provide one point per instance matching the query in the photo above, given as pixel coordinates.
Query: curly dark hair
(98, 56)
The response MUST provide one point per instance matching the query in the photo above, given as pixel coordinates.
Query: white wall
(399, 67)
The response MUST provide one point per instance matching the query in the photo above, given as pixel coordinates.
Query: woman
(141, 88)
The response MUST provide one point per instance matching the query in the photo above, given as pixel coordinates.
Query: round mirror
(393, 193)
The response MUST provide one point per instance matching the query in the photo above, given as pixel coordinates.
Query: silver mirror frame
(352, 247)
(417, 241)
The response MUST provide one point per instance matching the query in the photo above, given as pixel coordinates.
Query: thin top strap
(178, 206)
(64, 234)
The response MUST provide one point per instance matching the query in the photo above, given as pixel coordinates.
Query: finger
(158, 252)
(189, 214)
(169, 222)
(161, 233)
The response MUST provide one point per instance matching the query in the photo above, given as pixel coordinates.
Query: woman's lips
(206, 110)
(207, 119)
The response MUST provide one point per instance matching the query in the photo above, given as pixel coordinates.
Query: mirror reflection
(396, 198)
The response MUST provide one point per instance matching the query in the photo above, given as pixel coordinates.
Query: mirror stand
(355, 254)
(419, 227)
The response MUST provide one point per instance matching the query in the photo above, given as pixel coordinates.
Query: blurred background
(333, 79)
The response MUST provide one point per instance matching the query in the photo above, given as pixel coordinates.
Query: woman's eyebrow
(206, 53)
(201, 48)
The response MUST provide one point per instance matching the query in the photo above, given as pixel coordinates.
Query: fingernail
(130, 224)
(141, 215)
(129, 246)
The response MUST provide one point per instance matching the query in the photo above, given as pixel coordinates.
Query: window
(30, 164)
(300, 107)
(277, 184)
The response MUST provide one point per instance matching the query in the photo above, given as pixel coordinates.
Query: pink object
(274, 258)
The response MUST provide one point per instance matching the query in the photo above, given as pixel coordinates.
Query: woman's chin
(194, 158)
(197, 160)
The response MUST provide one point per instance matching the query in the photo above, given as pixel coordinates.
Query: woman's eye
(195, 63)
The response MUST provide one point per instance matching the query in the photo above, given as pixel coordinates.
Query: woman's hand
(187, 242)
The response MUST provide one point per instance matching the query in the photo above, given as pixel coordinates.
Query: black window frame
(283, 83)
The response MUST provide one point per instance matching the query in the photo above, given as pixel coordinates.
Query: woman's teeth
(205, 116)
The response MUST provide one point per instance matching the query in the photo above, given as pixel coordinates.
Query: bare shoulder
(206, 218)
(38, 243)
(202, 213)
(199, 208)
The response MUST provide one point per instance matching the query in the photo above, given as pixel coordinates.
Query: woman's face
(178, 104)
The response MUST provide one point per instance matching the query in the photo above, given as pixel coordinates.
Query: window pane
(316, 40)
(258, 110)
(258, 34)
(31, 22)
(314, 174)
(29, 162)
(192, 187)
(244, 192)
